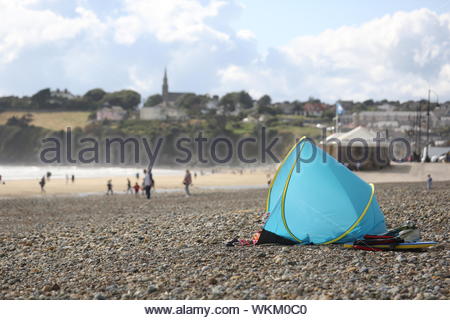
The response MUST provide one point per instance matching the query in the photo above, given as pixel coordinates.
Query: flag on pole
(339, 109)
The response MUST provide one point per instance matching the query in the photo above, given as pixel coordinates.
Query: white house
(212, 104)
(114, 113)
(162, 111)
(66, 94)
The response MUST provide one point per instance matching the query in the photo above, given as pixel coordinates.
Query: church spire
(165, 87)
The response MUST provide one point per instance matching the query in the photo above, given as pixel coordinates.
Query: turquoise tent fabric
(314, 199)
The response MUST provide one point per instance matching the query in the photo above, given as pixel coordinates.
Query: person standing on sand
(148, 183)
(143, 182)
(73, 178)
(429, 182)
(129, 189)
(110, 188)
(42, 184)
(187, 181)
(136, 188)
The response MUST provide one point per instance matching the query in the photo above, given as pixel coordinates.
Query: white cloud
(257, 82)
(127, 46)
(168, 21)
(139, 82)
(128, 29)
(397, 56)
(22, 27)
(246, 34)
(46, 44)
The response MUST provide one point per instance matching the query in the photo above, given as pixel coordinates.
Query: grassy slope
(283, 128)
(51, 120)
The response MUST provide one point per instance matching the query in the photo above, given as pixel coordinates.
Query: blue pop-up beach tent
(314, 199)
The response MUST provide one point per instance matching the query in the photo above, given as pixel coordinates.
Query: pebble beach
(172, 247)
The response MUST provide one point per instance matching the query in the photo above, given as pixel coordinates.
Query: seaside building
(357, 149)
(395, 121)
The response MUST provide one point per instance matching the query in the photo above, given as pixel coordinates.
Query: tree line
(63, 100)
(195, 105)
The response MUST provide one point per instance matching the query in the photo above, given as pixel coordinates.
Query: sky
(289, 49)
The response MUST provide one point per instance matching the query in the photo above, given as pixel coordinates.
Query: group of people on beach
(146, 187)
(46, 178)
(148, 184)
(70, 178)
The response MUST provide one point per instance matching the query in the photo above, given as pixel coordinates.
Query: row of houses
(399, 121)
(384, 118)
(315, 109)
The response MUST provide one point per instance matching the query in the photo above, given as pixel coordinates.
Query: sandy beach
(226, 179)
(163, 184)
(172, 247)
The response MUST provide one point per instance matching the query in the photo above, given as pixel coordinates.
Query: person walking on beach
(73, 178)
(143, 182)
(429, 182)
(187, 181)
(110, 188)
(42, 184)
(148, 183)
(129, 189)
